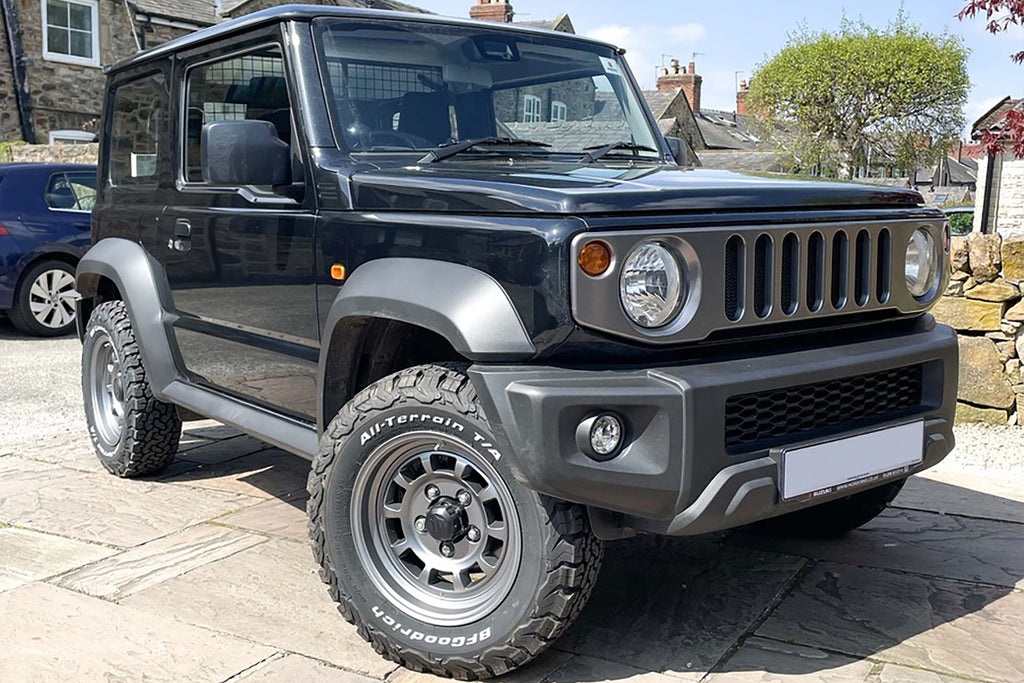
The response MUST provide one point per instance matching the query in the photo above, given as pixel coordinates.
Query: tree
(1002, 15)
(861, 95)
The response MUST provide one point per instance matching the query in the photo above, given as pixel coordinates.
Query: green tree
(862, 96)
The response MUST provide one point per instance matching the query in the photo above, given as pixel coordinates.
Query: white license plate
(831, 466)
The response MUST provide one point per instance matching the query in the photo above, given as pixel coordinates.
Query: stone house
(1000, 198)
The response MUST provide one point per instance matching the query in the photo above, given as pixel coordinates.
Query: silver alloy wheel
(106, 387)
(435, 528)
(51, 298)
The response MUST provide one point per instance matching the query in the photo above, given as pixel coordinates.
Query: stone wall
(1010, 193)
(985, 304)
(60, 154)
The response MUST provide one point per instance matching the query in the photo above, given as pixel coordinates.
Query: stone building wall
(10, 127)
(1010, 200)
(985, 305)
(53, 154)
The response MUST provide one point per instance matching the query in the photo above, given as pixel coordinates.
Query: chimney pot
(492, 10)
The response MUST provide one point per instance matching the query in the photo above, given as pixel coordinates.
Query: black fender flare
(143, 286)
(466, 306)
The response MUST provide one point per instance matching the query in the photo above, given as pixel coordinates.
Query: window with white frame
(559, 111)
(70, 31)
(531, 109)
(71, 137)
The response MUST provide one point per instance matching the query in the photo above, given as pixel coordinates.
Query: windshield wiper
(450, 149)
(595, 152)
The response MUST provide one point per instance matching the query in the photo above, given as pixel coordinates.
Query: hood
(559, 188)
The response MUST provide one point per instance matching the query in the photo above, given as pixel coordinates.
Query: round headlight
(651, 285)
(922, 263)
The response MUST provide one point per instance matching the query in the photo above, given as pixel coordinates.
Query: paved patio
(203, 573)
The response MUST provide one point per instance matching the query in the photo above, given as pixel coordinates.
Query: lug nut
(464, 497)
(433, 492)
(420, 524)
(447, 549)
(473, 534)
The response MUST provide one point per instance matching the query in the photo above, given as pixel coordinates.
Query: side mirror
(680, 151)
(244, 153)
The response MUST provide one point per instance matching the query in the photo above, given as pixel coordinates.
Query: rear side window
(138, 108)
(249, 86)
(72, 191)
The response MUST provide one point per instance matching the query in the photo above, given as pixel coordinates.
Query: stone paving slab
(103, 508)
(27, 556)
(285, 517)
(676, 605)
(540, 669)
(52, 634)
(299, 669)
(768, 661)
(969, 494)
(943, 626)
(938, 545)
(270, 473)
(596, 670)
(151, 563)
(271, 594)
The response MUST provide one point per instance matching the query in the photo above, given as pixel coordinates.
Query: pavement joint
(255, 667)
(908, 508)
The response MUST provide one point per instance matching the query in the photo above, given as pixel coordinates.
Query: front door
(240, 260)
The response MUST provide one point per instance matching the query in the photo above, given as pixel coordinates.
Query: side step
(291, 435)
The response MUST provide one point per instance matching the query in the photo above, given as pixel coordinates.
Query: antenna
(697, 54)
(736, 80)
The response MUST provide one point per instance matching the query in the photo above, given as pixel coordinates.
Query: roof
(201, 12)
(726, 130)
(659, 100)
(308, 12)
(758, 162)
(993, 118)
(230, 7)
(961, 173)
(560, 23)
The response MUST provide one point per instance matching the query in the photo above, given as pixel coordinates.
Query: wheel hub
(446, 520)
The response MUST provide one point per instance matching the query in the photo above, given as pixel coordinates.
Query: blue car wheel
(44, 304)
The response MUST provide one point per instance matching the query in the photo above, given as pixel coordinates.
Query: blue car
(44, 230)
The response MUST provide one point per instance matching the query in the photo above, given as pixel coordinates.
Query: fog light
(600, 436)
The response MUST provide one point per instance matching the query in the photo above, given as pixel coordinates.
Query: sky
(739, 34)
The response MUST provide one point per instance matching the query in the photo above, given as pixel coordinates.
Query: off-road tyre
(835, 518)
(147, 438)
(21, 313)
(560, 556)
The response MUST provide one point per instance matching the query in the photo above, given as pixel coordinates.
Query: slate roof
(230, 7)
(992, 119)
(726, 130)
(560, 23)
(757, 162)
(201, 12)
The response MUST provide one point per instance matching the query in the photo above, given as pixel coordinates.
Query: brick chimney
(741, 99)
(677, 76)
(492, 10)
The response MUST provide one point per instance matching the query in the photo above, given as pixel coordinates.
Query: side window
(531, 109)
(135, 144)
(559, 111)
(75, 191)
(249, 86)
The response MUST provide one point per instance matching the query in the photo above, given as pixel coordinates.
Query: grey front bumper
(675, 475)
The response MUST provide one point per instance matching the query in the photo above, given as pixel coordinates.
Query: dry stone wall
(985, 305)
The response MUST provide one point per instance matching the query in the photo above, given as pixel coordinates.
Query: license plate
(829, 467)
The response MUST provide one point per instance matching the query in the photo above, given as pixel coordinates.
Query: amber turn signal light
(338, 271)
(595, 258)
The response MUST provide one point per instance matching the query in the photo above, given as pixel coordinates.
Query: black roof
(45, 166)
(308, 12)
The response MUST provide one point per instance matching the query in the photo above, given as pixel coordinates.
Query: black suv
(456, 265)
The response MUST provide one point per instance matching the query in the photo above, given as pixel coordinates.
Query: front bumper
(676, 474)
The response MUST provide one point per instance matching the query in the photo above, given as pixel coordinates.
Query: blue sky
(736, 35)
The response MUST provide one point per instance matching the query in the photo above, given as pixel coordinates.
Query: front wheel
(430, 546)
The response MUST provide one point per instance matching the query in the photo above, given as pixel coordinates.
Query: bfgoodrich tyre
(444, 562)
(134, 434)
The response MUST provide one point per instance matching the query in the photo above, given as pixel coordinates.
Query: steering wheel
(394, 138)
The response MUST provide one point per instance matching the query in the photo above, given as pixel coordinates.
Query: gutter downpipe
(21, 93)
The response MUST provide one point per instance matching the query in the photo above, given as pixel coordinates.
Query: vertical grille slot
(789, 289)
(815, 272)
(862, 272)
(763, 275)
(734, 278)
(840, 267)
(884, 284)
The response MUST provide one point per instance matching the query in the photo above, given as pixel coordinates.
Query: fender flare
(467, 307)
(146, 294)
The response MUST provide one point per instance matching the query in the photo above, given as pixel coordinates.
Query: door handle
(182, 240)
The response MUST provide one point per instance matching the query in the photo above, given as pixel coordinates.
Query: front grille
(844, 270)
(795, 413)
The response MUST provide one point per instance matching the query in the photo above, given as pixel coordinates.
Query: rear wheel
(835, 518)
(44, 304)
(134, 434)
(430, 546)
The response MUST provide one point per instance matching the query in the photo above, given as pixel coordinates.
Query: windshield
(397, 86)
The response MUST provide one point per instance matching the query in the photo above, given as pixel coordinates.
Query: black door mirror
(244, 153)
(680, 151)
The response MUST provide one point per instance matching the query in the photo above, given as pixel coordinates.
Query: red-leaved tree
(1002, 15)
